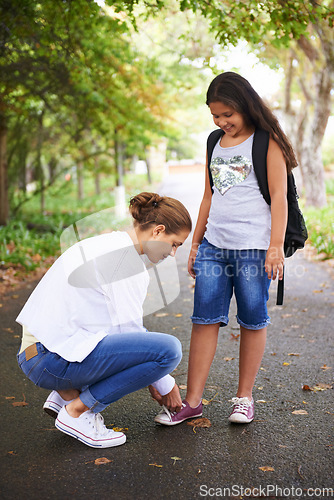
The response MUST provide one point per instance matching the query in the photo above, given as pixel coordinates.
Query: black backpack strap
(212, 141)
(259, 156)
(280, 291)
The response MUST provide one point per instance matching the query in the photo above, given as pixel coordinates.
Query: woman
(83, 334)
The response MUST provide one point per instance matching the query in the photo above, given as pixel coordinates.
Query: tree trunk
(80, 180)
(310, 140)
(97, 183)
(4, 208)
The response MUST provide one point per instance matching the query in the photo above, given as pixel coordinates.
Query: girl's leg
(203, 346)
(252, 345)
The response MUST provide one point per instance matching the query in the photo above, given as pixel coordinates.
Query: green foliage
(30, 238)
(320, 224)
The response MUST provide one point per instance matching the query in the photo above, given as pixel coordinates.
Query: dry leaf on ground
(300, 412)
(102, 461)
(21, 403)
(161, 315)
(199, 422)
(175, 459)
(156, 465)
(267, 468)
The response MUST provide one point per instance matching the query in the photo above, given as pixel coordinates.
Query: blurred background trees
(89, 87)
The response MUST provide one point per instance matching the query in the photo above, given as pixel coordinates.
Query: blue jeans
(219, 272)
(119, 364)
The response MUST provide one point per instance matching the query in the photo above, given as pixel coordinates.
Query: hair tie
(154, 204)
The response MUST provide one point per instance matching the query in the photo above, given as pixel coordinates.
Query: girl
(83, 334)
(237, 243)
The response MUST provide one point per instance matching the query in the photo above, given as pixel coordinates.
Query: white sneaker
(89, 428)
(54, 404)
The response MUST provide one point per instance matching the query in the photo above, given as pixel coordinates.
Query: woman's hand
(172, 400)
(274, 264)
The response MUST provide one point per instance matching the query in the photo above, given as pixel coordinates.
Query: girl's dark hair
(235, 91)
(151, 208)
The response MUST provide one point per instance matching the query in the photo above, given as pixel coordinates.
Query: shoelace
(96, 420)
(170, 413)
(241, 405)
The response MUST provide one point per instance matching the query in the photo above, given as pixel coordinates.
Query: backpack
(296, 232)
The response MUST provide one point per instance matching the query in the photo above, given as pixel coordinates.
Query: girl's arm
(201, 222)
(277, 183)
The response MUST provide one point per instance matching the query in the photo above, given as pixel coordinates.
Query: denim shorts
(219, 272)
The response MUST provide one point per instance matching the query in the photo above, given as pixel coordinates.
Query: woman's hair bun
(151, 208)
(142, 204)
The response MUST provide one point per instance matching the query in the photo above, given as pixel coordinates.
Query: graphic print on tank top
(229, 172)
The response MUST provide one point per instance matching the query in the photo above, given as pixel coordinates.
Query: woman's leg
(203, 346)
(252, 345)
(121, 364)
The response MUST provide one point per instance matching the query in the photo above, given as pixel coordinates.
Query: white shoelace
(241, 405)
(96, 420)
(170, 414)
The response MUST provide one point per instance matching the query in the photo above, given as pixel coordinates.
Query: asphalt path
(286, 452)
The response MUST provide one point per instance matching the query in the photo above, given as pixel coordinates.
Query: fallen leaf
(161, 315)
(267, 468)
(206, 402)
(325, 367)
(234, 337)
(120, 429)
(199, 422)
(228, 359)
(260, 388)
(261, 401)
(178, 315)
(300, 412)
(11, 453)
(293, 354)
(288, 315)
(317, 291)
(321, 387)
(175, 459)
(10, 397)
(285, 363)
(156, 465)
(101, 461)
(15, 296)
(182, 386)
(21, 403)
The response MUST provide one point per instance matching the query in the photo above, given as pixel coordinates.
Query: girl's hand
(274, 264)
(191, 261)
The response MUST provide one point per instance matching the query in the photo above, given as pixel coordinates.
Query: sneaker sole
(86, 440)
(247, 421)
(165, 422)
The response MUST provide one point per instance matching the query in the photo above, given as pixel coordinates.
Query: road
(282, 454)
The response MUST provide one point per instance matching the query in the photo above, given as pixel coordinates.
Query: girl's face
(160, 244)
(229, 120)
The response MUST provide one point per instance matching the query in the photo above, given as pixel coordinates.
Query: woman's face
(160, 245)
(229, 120)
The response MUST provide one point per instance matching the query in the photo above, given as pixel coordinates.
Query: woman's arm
(277, 183)
(201, 222)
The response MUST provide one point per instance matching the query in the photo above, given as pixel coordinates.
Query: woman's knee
(173, 349)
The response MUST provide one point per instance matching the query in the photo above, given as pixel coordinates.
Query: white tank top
(239, 216)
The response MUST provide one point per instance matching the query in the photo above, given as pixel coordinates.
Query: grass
(320, 224)
(31, 238)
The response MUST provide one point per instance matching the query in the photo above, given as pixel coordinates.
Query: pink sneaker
(243, 411)
(166, 417)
